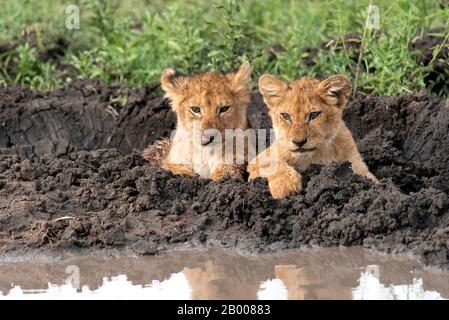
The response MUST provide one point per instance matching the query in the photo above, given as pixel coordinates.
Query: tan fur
(210, 92)
(328, 138)
(157, 152)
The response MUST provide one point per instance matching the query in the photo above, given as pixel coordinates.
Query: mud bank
(84, 115)
(71, 176)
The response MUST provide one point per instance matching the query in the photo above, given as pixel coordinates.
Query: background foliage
(131, 42)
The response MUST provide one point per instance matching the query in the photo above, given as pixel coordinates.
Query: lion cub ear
(171, 83)
(241, 82)
(335, 91)
(272, 89)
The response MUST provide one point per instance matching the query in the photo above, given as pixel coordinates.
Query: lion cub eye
(314, 115)
(195, 110)
(224, 109)
(286, 117)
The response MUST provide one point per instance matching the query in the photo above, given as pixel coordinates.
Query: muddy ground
(71, 176)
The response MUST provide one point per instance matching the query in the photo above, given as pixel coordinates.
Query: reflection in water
(304, 283)
(272, 289)
(217, 274)
(370, 288)
(175, 288)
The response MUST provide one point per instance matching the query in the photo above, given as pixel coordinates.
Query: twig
(63, 218)
(344, 47)
(362, 47)
(346, 53)
(439, 49)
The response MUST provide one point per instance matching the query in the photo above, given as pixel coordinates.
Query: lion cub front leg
(235, 171)
(179, 169)
(359, 166)
(285, 182)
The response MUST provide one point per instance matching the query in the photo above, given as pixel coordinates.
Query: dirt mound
(53, 194)
(84, 115)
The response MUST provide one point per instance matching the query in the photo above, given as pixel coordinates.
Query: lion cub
(309, 129)
(206, 106)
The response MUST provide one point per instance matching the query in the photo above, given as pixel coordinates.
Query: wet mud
(71, 176)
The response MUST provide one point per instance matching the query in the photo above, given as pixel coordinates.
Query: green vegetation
(131, 42)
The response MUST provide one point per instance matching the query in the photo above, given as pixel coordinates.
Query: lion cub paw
(372, 177)
(284, 183)
(234, 171)
(179, 169)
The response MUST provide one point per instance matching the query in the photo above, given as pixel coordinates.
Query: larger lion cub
(309, 129)
(207, 106)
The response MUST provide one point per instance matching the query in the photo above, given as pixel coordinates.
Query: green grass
(131, 42)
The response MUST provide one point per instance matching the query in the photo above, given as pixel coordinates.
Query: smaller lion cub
(207, 106)
(309, 129)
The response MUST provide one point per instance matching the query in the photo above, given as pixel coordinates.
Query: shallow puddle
(335, 273)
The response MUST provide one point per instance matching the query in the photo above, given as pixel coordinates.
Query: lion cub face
(210, 102)
(306, 113)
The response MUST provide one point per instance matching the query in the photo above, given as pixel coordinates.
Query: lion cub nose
(300, 143)
(207, 138)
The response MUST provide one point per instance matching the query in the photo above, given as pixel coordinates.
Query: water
(334, 273)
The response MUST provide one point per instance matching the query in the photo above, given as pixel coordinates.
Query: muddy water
(332, 273)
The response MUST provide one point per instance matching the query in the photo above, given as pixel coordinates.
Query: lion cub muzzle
(208, 136)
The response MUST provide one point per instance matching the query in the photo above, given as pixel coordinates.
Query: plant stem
(362, 47)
